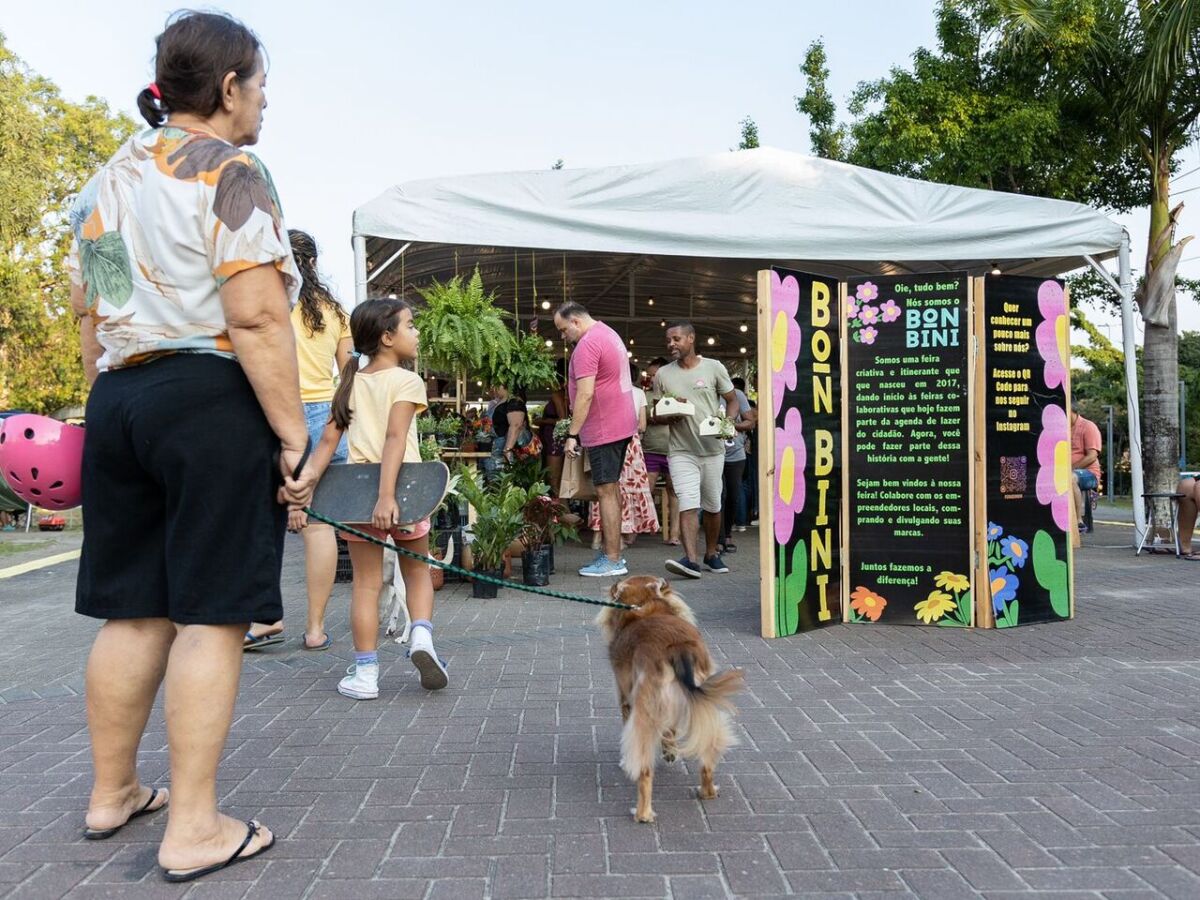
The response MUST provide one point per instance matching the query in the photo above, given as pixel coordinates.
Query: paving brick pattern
(874, 761)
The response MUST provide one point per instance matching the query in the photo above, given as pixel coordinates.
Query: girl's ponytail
(340, 407)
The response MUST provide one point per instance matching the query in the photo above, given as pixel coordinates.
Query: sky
(363, 95)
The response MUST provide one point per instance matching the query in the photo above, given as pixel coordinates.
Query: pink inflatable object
(41, 459)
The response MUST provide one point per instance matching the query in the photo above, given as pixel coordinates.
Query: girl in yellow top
(377, 405)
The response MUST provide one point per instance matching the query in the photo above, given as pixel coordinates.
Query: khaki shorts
(697, 480)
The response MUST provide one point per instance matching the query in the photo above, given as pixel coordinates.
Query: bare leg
(124, 671)
(202, 676)
(645, 812)
(609, 497)
(1078, 496)
(712, 532)
(417, 582)
(367, 561)
(320, 568)
(689, 526)
(1188, 503)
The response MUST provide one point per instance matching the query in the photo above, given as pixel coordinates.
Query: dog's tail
(706, 732)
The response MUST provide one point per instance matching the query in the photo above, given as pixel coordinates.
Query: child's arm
(387, 512)
(321, 455)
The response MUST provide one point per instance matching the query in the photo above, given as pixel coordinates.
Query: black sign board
(908, 437)
(806, 398)
(1027, 439)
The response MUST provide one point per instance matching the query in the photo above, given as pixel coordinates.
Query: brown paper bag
(576, 483)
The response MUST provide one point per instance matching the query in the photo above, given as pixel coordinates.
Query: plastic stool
(1149, 499)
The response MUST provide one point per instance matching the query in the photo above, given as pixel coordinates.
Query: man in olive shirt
(697, 462)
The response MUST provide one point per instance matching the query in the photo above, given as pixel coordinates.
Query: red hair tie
(154, 90)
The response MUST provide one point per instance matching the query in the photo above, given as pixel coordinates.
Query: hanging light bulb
(478, 384)
(995, 269)
(650, 302)
(545, 304)
(743, 328)
(742, 349)
(662, 324)
(711, 341)
(631, 342)
(629, 354)
(549, 343)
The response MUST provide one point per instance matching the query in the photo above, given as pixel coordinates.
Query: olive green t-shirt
(703, 385)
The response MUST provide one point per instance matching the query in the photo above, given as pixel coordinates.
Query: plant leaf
(105, 267)
(1051, 573)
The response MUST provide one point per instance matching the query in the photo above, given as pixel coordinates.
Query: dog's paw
(649, 818)
(404, 635)
(704, 794)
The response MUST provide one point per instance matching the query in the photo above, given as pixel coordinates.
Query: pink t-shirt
(601, 353)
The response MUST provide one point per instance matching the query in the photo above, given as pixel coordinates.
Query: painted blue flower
(1003, 585)
(1015, 549)
(994, 531)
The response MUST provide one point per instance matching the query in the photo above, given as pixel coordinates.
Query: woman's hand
(386, 514)
(297, 520)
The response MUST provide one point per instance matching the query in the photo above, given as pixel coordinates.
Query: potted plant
(528, 365)
(462, 329)
(499, 520)
(544, 528)
(429, 448)
(449, 428)
(670, 405)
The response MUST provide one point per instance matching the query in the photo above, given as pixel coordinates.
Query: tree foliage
(49, 147)
(749, 138)
(978, 112)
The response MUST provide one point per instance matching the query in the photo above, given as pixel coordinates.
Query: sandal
(179, 875)
(1194, 556)
(100, 834)
(324, 645)
(263, 640)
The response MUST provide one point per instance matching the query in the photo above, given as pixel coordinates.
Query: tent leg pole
(1131, 393)
(360, 268)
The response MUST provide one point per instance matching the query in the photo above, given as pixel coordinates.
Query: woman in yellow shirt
(322, 331)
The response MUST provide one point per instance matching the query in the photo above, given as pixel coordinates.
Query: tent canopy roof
(691, 233)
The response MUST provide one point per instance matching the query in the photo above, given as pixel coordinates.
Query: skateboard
(348, 493)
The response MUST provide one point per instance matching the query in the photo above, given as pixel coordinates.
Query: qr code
(1013, 474)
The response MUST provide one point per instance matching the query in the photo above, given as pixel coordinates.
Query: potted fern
(529, 365)
(462, 329)
(499, 521)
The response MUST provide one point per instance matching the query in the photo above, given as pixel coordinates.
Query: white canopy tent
(693, 232)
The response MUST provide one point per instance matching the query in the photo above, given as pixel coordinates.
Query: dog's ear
(614, 592)
(662, 589)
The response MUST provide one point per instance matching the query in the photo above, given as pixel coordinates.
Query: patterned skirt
(638, 515)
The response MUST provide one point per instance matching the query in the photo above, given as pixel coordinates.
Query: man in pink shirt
(1085, 459)
(603, 420)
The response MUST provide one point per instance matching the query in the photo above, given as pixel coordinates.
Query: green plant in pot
(544, 528)
(499, 520)
(462, 329)
(529, 365)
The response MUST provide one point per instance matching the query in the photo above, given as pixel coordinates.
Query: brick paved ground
(875, 762)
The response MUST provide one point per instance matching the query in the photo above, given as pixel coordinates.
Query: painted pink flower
(785, 336)
(1054, 465)
(866, 291)
(791, 457)
(869, 314)
(891, 312)
(1052, 333)
(851, 308)
(869, 334)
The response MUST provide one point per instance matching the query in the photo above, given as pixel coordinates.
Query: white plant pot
(669, 406)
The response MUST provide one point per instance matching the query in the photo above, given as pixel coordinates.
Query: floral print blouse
(170, 218)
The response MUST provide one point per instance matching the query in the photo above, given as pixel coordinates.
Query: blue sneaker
(604, 568)
(714, 563)
(684, 567)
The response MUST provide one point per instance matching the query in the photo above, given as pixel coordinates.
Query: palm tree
(1139, 60)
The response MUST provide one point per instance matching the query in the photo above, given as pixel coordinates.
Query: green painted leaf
(1051, 573)
(964, 608)
(105, 266)
(793, 586)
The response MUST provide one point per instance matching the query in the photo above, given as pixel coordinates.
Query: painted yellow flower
(933, 607)
(952, 582)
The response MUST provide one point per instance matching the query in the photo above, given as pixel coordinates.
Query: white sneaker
(361, 683)
(425, 659)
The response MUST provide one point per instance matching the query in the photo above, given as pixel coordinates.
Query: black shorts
(607, 460)
(180, 519)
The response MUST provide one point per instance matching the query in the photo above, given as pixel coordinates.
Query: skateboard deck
(348, 493)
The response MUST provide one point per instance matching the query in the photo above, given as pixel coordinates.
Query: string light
(743, 328)
(629, 354)
(662, 324)
(650, 302)
(545, 304)
(995, 269)
(743, 349)
(711, 341)
(549, 343)
(631, 342)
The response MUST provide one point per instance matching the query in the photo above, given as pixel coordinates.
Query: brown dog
(669, 696)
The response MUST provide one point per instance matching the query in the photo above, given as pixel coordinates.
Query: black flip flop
(263, 640)
(100, 834)
(179, 875)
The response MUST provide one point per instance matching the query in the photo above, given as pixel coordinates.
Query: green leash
(487, 579)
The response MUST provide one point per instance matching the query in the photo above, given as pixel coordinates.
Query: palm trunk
(1160, 361)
